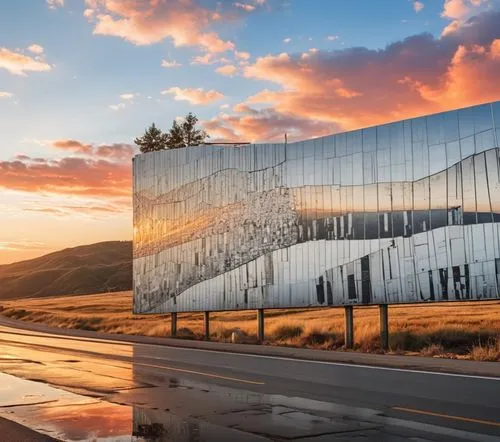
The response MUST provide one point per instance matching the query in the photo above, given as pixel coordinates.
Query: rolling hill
(94, 268)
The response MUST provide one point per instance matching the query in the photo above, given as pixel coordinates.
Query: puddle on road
(72, 417)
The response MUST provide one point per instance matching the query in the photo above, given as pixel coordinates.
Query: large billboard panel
(404, 212)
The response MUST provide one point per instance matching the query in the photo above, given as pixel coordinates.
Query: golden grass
(469, 329)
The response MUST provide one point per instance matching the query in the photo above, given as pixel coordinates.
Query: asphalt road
(160, 392)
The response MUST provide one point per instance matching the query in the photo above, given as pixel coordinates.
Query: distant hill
(94, 268)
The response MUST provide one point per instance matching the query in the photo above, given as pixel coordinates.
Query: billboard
(404, 212)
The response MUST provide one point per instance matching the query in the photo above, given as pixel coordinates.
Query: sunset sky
(79, 79)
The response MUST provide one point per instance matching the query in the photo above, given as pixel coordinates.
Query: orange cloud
(145, 22)
(322, 92)
(265, 125)
(194, 96)
(102, 171)
(228, 70)
(18, 64)
(83, 177)
(73, 146)
(358, 87)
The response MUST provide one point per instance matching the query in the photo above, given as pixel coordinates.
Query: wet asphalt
(80, 388)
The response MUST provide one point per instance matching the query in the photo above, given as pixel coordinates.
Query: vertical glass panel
(437, 160)
(329, 146)
(383, 137)
(397, 209)
(439, 203)
(483, 206)
(469, 191)
(385, 209)
(466, 122)
(467, 146)
(308, 148)
(369, 168)
(340, 144)
(370, 139)
(453, 155)
(354, 141)
(371, 211)
(358, 220)
(451, 126)
(435, 129)
(408, 147)
(384, 165)
(419, 130)
(493, 168)
(496, 114)
(484, 140)
(482, 118)
(421, 206)
(318, 148)
(357, 170)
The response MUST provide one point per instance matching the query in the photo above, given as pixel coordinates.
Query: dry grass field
(465, 330)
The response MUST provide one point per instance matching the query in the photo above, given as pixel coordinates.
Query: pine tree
(176, 136)
(152, 140)
(185, 133)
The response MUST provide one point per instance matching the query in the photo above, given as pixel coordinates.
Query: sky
(80, 79)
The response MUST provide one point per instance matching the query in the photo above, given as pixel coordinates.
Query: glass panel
(370, 139)
(482, 118)
(469, 191)
(466, 122)
(435, 129)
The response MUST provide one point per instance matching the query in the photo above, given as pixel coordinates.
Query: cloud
(287, 40)
(194, 96)
(83, 177)
(127, 96)
(228, 69)
(68, 210)
(418, 6)
(4, 94)
(117, 107)
(116, 152)
(460, 11)
(359, 87)
(35, 49)
(264, 125)
(18, 64)
(203, 59)
(72, 146)
(245, 6)
(170, 64)
(22, 156)
(242, 55)
(332, 37)
(100, 171)
(53, 4)
(144, 22)
(21, 245)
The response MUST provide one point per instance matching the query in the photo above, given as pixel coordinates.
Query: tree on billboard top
(181, 134)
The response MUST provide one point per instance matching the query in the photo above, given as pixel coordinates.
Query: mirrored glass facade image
(404, 212)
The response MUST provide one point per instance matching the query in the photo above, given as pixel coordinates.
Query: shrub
(287, 331)
(185, 333)
(487, 352)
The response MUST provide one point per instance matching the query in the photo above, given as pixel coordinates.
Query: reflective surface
(90, 389)
(404, 212)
